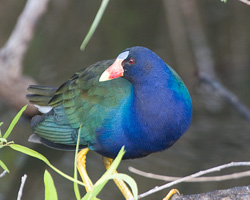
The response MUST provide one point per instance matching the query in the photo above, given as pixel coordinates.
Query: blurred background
(179, 32)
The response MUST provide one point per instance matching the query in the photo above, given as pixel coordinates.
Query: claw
(171, 193)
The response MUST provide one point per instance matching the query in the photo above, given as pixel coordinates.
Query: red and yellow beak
(114, 71)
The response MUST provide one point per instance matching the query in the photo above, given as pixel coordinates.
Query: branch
(15, 48)
(204, 60)
(198, 174)
(13, 85)
(226, 94)
(20, 192)
(199, 179)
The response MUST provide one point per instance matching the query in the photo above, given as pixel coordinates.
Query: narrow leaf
(4, 166)
(29, 152)
(113, 166)
(3, 140)
(14, 121)
(39, 156)
(94, 24)
(50, 190)
(130, 181)
(97, 187)
(1, 123)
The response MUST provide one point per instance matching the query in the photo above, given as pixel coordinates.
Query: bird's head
(134, 63)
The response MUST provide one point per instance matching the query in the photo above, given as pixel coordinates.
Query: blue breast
(151, 119)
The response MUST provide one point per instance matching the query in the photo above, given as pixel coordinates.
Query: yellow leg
(81, 166)
(119, 183)
(171, 193)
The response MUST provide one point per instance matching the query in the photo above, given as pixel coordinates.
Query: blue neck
(158, 115)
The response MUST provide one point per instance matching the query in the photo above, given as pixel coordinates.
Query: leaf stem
(94, 24)
(76, 188)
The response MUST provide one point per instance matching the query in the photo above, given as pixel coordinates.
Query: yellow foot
(81, 166)
(171, 193)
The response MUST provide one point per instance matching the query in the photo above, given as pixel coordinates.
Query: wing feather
(80, 101)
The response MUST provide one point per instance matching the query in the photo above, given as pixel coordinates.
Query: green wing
(81, 101)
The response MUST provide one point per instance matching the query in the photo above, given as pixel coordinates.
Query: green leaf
(113, 166)
(50, 189)
(30, 152)
(94, 24)
(14, 121)
(39, 156)
(4, 166)
(97, 187)
(76, 188)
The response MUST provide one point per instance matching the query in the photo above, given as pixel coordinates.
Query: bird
(136, 101)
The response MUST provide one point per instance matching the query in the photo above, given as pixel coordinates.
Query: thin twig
(245, 1)
(20, 192)
(198, 174)
(199, 179)
(3, 174)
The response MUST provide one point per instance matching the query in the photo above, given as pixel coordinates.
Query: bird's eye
(131, 61)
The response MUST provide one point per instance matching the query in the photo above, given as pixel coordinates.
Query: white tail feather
(43, 109)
